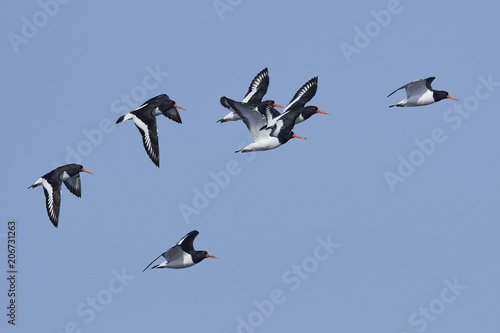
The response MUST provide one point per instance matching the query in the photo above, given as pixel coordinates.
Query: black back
(71, 169)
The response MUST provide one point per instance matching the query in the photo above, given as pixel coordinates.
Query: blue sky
(383, 220)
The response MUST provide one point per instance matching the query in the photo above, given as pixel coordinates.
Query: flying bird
(182, 255)
(144, 119)
(256, 91)
(296, 109)
(68, 174)
(256, 121)
(420, 93)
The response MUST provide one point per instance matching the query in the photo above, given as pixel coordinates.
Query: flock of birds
(268, 127)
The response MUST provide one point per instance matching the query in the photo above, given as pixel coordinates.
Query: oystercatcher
(144, 119)
(51, 182)
(182, 255)
(420, 93)
(256, 91)
(254, 118)
(296, 109)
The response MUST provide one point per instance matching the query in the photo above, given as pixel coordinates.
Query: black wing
(52, 200)
(74, 185)
(303, 95)
(258, 88)
(224, 103)
(149, 132)
(186, 243)
(170, 112)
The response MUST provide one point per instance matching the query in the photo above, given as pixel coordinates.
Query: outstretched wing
(170, 112)
(52, 200)
(186, 243)
(74, 185)
(417, 87)
(258, 88)
(252, 118)
(149, 132)
(224, 103)
(303, 95)
(152, 262)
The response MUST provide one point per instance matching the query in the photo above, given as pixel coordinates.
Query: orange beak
(298, 137)
(451, 98)
(323, 112)
(87, 171)
(179, 107)
(278, 106)
(209, 256)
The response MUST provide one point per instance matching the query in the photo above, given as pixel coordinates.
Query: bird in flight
(144, 118)
(182, 255)
(256, 91)
(420, 93)
(68, 174)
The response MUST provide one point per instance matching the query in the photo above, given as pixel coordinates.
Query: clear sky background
(405, 199)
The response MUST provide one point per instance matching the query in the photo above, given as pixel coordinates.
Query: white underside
(231, 116)
(267, 143)
(419, 100)
(182, 262)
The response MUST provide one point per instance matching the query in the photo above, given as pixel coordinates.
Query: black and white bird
(68, 174)
(420, 93)
(145, 119)
(182, 255)
(256, 119)
(296, 109)
(256, 91)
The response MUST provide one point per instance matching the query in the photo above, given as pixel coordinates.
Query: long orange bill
(298, 137)
(210, 256)
(179, 107)
(87, 171)
(452, 98)
(278, 106)
(323, 112)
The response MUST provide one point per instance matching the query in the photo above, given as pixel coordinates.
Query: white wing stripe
(145, 129)
(301, 93)
(50, 197)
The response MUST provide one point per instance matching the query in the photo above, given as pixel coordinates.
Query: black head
(441, 94)
(309, 111)
(200, 255)
(81, 169)
(285, 137)
(173, 105)
(272, 103)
